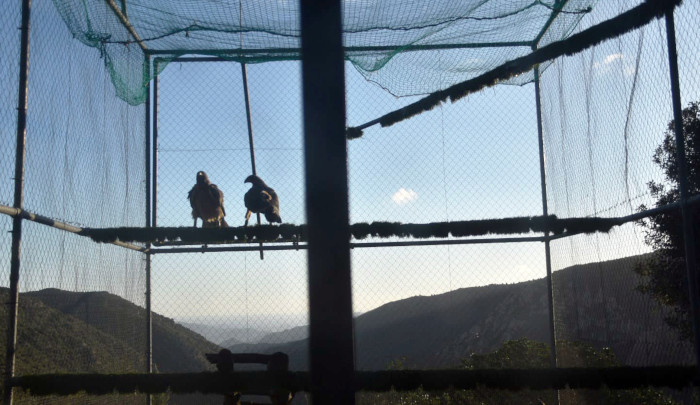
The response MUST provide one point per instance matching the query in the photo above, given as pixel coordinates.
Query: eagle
(261, 199)
(207, 202)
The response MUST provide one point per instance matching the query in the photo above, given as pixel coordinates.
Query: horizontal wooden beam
(676, 377)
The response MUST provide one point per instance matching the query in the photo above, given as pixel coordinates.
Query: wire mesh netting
(433, 169)
(233, 299)
(9, 49)
(605, 112)
(81, 304)
(9, 67)
(687, 43)
(601, 135)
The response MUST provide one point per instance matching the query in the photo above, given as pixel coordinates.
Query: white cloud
(404, 196)
(612, 58)
(608, 60)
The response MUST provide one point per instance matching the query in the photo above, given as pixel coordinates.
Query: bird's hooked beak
(248, 179)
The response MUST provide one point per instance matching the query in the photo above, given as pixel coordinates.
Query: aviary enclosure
(481, 201)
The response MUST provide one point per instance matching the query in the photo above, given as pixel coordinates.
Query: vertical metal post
(688, 233)
(147, 65)
(330, 296)
(154, 210)
(545, 212)
(154, 219)
(15, 254)
(251, 142)
(149, 323)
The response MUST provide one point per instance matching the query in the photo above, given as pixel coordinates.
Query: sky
(473, 159)
(442, 166)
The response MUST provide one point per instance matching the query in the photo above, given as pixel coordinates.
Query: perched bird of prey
(261, 199)
(207, 202)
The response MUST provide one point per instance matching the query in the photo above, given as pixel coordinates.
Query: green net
(391, 43)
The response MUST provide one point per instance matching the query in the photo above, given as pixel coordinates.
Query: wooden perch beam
(676, 377)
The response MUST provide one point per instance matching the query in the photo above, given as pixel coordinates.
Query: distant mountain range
(597, 303)
(68, 332)
(223, 336)
(175, 348)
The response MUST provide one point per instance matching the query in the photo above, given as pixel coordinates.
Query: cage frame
(325, 333)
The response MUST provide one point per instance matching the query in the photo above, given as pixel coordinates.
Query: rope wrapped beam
(180, 383)
(558, 227)
(675, 377)
(40, 219)
(359, 231)
(612, 28)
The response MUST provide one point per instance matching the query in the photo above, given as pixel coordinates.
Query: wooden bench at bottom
(225, 361)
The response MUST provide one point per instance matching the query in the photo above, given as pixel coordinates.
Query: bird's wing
(217, 196)
(191, 196)
(248, 199)
(274, 200)
(259, 199)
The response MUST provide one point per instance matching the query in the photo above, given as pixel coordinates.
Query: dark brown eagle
(261, 199)
(207, 202)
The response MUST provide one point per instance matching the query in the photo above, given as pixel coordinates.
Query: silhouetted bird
(261, 199)
(207, 202)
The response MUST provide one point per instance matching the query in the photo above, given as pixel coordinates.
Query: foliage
(664, 274)
(94, 332)
(521, 353)
(49, 341)
(579, 354)
(524, 354)
(516, 354)
(417, 397)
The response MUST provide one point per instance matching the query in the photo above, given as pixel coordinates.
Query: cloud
(612, 58)
(404, 196)
(608, 60)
